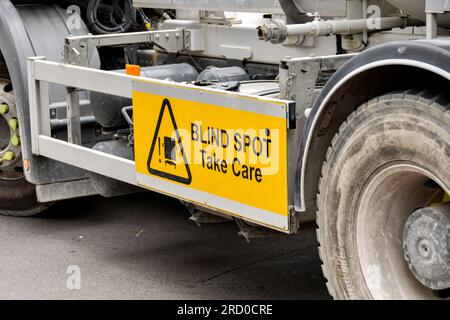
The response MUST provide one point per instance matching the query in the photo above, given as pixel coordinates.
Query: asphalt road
(144, 247)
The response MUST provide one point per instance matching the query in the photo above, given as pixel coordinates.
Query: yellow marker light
(133, 70)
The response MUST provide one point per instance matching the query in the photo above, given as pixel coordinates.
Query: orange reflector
(133, 70)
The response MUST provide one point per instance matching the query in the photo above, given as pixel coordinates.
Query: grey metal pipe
(345, 26)
(277, 31)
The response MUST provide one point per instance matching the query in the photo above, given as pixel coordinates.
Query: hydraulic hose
(127, 14)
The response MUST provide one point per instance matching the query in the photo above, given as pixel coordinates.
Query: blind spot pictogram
(167, 158)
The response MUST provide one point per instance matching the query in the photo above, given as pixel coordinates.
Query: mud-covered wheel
(17, 196)
(384, 227)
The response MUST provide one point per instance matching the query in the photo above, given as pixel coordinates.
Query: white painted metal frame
(42, 72)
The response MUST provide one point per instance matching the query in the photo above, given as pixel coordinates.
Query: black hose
(127, 15)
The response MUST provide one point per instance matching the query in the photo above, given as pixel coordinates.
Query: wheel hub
(10, 149)
(426, 243)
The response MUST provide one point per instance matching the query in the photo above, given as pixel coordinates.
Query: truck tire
(28, 30)
(391, 157)
(18, 199)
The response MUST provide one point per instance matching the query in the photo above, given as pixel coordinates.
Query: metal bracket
(79, 50)
(300, 81)
(200, 217)
(300, 77)
(250, 231)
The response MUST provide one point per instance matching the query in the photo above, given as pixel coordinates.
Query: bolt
(402, 50)
(13, 124)
(15, 140)
(424, 249)
(4, 108)
(9, 156)
(446, 198)
(308, 112)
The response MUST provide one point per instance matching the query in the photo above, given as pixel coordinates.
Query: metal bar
(44, 101)
(34, 109)
(61, 124)
(123, 38)
(431, 25)
(38, 97)
(62, 104)
(84, 78)
(73, 116)
(119, 84)
(95, 161)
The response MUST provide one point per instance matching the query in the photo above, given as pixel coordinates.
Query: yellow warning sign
(167, 158)
(223, 151)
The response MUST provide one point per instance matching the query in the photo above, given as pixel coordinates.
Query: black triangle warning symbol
(167, 158)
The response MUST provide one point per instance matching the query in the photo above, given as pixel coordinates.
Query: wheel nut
(9, 156)
(4, 108)
(13, 124)
(15, 140)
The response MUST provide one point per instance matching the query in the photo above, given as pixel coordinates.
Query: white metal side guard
(40, 73)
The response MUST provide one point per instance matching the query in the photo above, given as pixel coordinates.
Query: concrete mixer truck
(277, 115)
